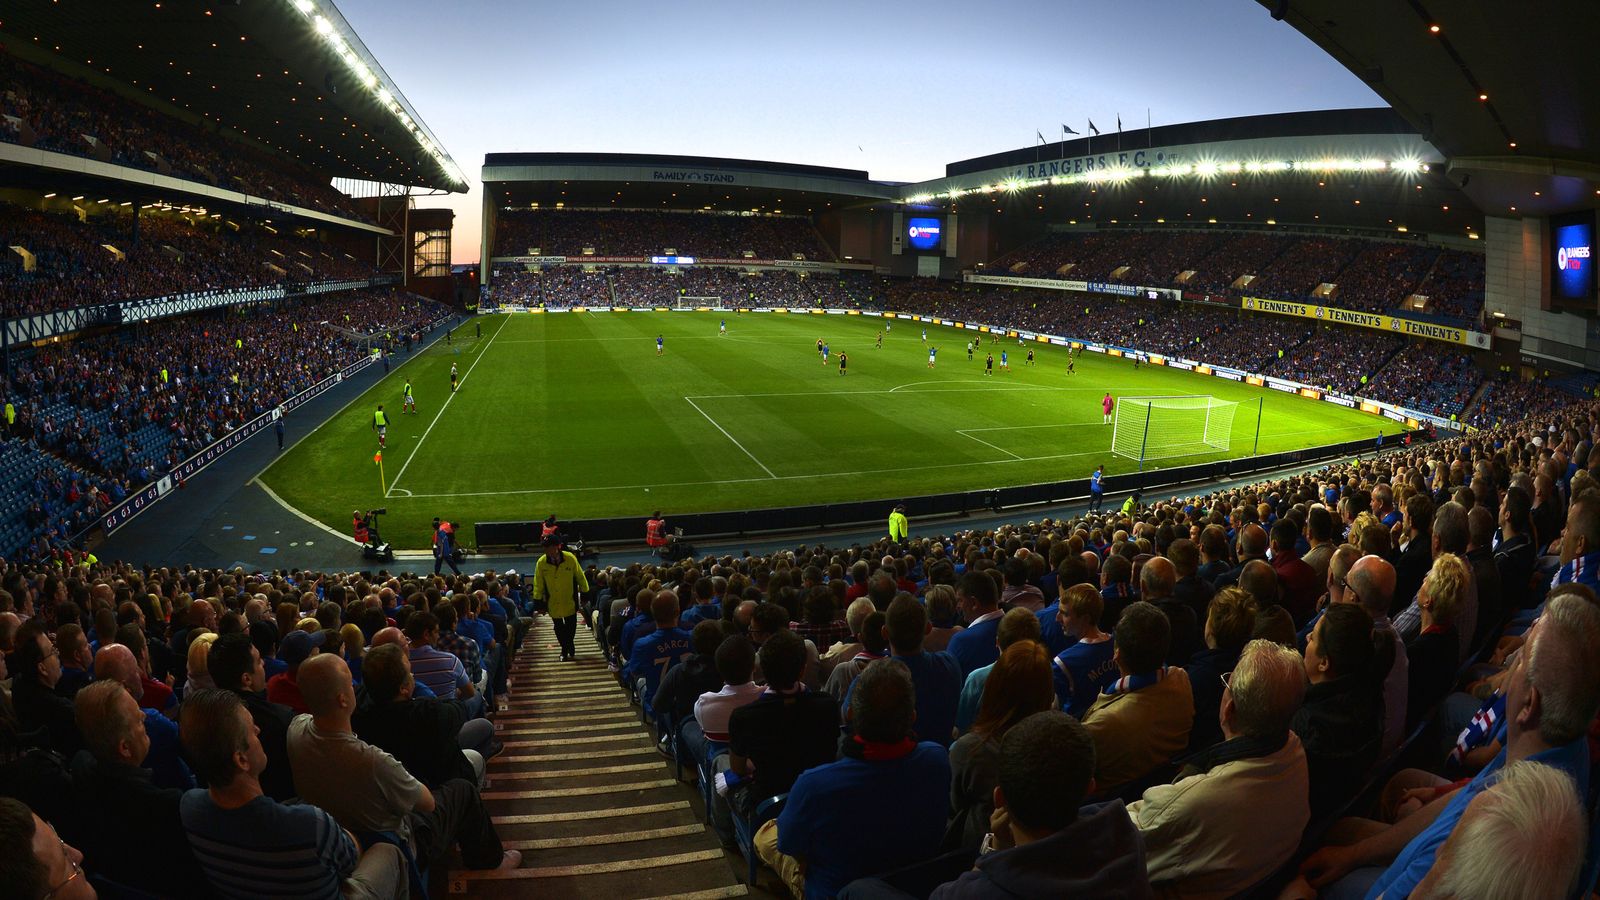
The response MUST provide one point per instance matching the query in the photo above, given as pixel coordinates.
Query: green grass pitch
(574, 414)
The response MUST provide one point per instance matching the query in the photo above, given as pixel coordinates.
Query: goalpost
(697, 302)
(1147, 428)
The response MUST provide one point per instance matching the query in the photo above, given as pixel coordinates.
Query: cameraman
(444, 546)
(359, 527)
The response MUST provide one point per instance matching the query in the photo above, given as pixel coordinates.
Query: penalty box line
(970, 433)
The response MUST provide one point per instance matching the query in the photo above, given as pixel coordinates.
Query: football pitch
(576, 415)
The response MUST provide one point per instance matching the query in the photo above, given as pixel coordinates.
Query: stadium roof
(655, 181)
(1354, 169)
(1508, 92)
(289, 74)
(1312, 124)
(1362, 169)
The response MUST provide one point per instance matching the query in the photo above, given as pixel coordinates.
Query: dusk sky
(897, 89)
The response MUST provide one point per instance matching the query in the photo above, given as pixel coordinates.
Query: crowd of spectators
(1428, 377)
(1373, 280)
(635, 233)
(1249, 253)
(1454, 287)
(560, 286)
(1305, 266)
(190, 733)
(1508, 399)
(1336, 358)
(44, 109)
(1370, 276)
(1189, 694)
(117, 411)
(1163, 261)
(164, 255)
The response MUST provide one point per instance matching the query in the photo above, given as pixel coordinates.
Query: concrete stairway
(582, 792)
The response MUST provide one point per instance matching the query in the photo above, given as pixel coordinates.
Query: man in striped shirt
(442, 672)
(253, 846)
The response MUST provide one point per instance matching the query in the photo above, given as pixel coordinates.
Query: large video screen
(1572, 263)
(924, 233)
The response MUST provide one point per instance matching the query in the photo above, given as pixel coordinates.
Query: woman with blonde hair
(199, 652)
(1019, 686)
(352, 646)
(1434, 655)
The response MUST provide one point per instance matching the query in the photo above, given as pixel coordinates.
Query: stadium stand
(106, 259)
(1336, 358)
(1432, 379)
(1318, 612)
(100, 417)
(576, 232)
(561, 286)
(44, 109)
(1368, 275)
(1506, 400)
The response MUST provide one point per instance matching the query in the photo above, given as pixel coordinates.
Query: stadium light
(367, 77)
(1408, 166)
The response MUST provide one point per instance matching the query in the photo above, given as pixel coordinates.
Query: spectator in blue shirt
(660, 650)
(936, 676)
(1089, 665)
(637, 626)
(1552, 693)
(1116, 589)
(490, 655)
(1072, 570)
(978, 599)
(705, 608)
(881, 806)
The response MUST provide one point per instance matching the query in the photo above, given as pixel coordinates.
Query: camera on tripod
(373, 545)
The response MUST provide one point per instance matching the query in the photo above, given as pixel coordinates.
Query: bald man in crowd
(163, 758)
(1157, 581)
(367, 790)
(1371, 583)
(1252, 545)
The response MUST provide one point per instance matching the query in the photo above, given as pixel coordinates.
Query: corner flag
(383, 487)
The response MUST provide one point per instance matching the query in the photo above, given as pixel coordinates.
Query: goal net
(1164, 427)
(697, 302)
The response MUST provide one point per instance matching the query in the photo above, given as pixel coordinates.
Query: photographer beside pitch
(444, 546)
